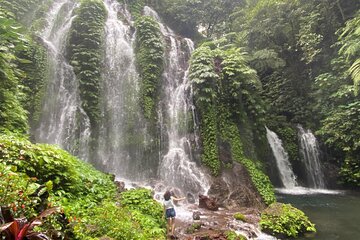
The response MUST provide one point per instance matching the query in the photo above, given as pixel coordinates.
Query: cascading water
(310, 152)
(176, 167)
(282, 160)
(120, 89)
(63, 121)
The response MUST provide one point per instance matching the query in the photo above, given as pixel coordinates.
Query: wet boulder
(208, 203)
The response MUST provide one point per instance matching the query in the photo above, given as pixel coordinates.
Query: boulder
(120, 186)
(196, 215)
(208, 203)
(234, 189)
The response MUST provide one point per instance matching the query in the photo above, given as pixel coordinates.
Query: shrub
(284, 219)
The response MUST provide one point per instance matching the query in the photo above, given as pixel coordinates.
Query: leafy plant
(350, 48)
(85, 54)
(20, 229)
(283, 219)
(231, 235)
(150, 60)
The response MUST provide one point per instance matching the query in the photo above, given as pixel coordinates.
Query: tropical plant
(20, 229)
(350, 47)
(283, 219)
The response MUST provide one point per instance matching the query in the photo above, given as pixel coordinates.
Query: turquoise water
(337, 217)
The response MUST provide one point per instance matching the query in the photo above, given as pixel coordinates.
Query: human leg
(173, 226)
(168, 226)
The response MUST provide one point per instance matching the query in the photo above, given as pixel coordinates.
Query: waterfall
(310, 153)
(63, 121)
(282, 160)
(177, 168)
(119, 95)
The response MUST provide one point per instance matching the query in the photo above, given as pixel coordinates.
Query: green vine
(210, 156)
(85, 54)
(150, 60)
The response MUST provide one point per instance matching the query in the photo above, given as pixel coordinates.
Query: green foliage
(265, 60)
(85, 54)
(350, 47)
(185, 16)
(283, 219)
(139, 216)
(50, 163)
(288, 135)
(87, 196)
(225, 91)
(136, 7)
(193, 228)
(12, 114)
(341, 132)
(33, 64)
(23, 10)
(231, 235)
(17, 191)
(208, 131)
(261, 181)
(111, 220)
(150, 60)
(141, 200)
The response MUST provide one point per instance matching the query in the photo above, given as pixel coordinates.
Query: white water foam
(307, 191)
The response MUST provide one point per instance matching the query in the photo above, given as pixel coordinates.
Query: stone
(196, 215)
(120, 186)
(234, 189)
(208, 203)
(190, 198)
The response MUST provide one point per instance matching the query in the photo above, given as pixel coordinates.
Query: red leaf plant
(21, 228)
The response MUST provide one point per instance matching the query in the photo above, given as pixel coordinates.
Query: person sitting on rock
(169, 211)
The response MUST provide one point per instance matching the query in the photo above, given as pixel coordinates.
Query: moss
(239, 216)
(231, 235)
(193, 228)
(283, 219)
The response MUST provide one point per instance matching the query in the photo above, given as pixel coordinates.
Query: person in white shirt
(169, 211)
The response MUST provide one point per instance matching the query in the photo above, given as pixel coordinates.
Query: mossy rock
(240, 217)
(231, 235)
(193, 228)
